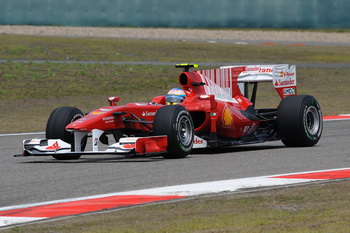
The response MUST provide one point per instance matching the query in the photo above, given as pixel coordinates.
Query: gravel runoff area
(230, 35)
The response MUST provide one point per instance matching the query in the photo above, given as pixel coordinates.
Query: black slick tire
(299, 121)
(175, 122)
(55, 127)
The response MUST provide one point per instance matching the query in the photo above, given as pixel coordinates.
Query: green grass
(32, 91)
(321, 207)
(37, 81)
(93, 49)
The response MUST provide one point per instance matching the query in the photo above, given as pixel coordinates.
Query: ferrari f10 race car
(213, 109)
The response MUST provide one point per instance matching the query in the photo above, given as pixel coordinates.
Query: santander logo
(145, 113)
(288, 82)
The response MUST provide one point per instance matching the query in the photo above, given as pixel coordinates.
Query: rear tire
(56, 124)
(175, 122)
(299, 121)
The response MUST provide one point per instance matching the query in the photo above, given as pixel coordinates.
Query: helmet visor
(174, 99)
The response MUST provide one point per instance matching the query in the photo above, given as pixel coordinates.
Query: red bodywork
(210, 115)
(219, 113)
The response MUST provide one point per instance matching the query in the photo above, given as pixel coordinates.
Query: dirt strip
(180, 34)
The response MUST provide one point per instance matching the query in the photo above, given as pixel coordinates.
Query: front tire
(56, 124)
(299, 121)
(175, 122)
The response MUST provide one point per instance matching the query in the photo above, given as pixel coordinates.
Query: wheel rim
(185, 131)
(312, 120)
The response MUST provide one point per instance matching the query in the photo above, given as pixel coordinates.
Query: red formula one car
(215, 112)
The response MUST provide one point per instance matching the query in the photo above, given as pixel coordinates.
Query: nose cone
(101, 118)
(78, 125)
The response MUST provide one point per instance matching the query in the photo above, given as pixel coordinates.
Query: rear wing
(282, 76)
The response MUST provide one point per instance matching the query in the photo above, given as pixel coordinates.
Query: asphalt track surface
(38, 179)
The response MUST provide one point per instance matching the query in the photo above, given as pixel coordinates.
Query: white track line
(21, 134)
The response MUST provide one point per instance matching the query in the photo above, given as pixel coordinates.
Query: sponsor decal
(35, 141)
(249, 129)
(280, 83)
(251, 69)
(108, 118)
(145, 113)
(128, 139)
(96, 113)
(54, 146)
(286, 74)
(198, 141)
(265, 70)
(289, 91)
(227, 117)
(246, 129)
(257, 69)
(95, 141)
(285, 77)
(128, 146)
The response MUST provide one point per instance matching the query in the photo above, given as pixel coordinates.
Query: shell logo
(227, 117)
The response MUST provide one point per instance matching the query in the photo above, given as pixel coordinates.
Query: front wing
(131, 145)
(128, 145)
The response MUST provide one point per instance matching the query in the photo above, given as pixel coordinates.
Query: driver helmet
(175, 96)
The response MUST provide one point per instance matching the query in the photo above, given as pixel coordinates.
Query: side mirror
(113, 101)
